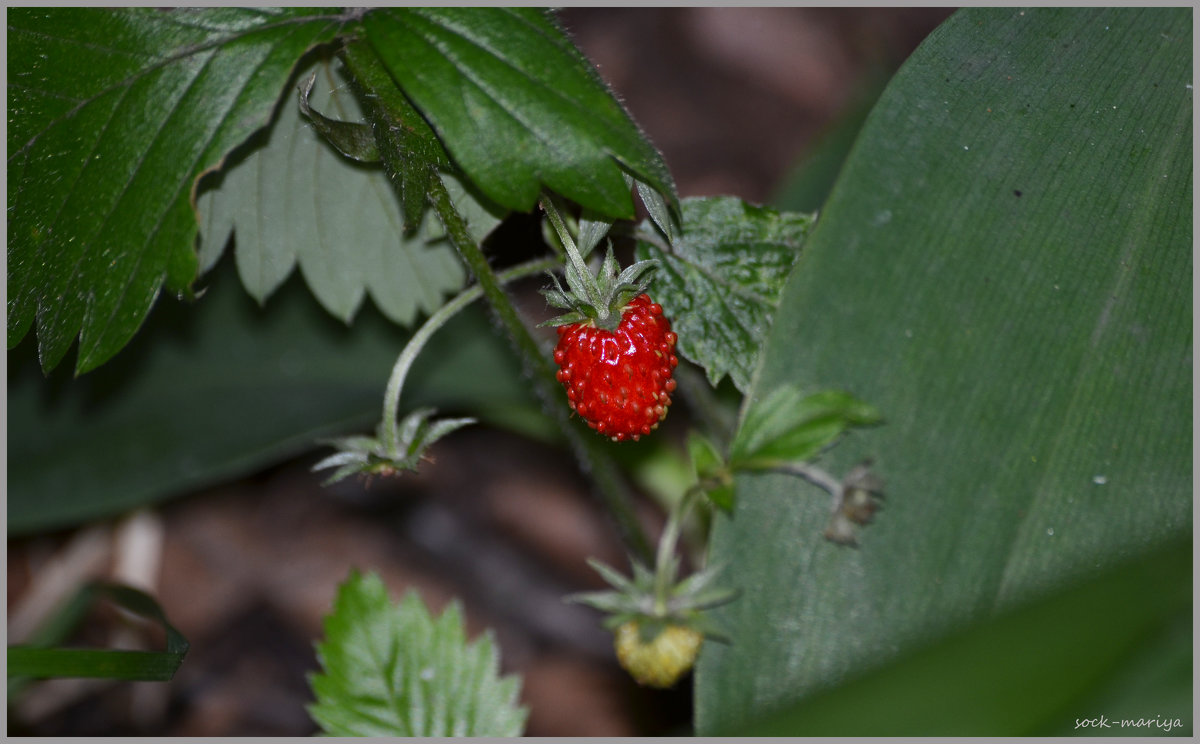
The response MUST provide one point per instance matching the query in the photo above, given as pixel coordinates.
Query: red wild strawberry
(616, 351)
(619, 380)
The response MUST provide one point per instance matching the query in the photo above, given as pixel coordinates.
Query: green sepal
(603, 296)
(591, 229)
(362, 455)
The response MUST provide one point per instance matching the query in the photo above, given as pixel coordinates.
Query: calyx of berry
(598, 298)
(657, 598)
(647, 599)
(381, 455)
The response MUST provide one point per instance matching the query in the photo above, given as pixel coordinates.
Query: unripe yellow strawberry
(662, 660)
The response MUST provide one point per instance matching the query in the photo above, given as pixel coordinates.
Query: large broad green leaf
(720, 280)
(1120, 621)
(295, 201)
(1003, 269)
(517, 105)
(395, 670)
(114, 113)
(225, 388)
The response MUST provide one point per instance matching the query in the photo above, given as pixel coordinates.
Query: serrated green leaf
(114, 113)
(517, 105)
(789, 426)
(297, 202)
(394, 670)
(720, 280)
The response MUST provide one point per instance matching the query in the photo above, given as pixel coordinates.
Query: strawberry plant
(935, 412)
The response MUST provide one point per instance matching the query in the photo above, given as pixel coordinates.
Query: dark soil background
(732, 97)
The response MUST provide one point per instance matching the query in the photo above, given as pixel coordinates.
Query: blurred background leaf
(224, 388)
(45, 657)
(806, 186)
(115, 113)
(1003, 269)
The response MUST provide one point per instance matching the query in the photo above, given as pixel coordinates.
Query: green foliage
(223, 389)
(517, 105)
(1057, 647)
(394, 670)
(114, 115)
(411, 153)
(43, 657)
(720, 280)
(117, 113)
(1003, 267)
(788, 426)
(294, 201)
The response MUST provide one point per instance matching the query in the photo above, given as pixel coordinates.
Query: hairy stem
(391, 396)
(594, 460)
(381, 102)
(550, 207)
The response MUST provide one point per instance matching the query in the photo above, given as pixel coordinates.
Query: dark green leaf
(807, 186)
(224, 388)
(1003, 267)
(394, 670)
(115, 113)
(412, 153)
(517, 105)
(1018, 674)
(720, 281)
(38, 660)
(789, 426)
(296, 202)
(353, 139)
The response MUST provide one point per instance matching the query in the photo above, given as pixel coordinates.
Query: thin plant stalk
(395, 384)
(593, 460)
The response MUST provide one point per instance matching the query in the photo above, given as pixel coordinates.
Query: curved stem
(391, 396)
(817, 477)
